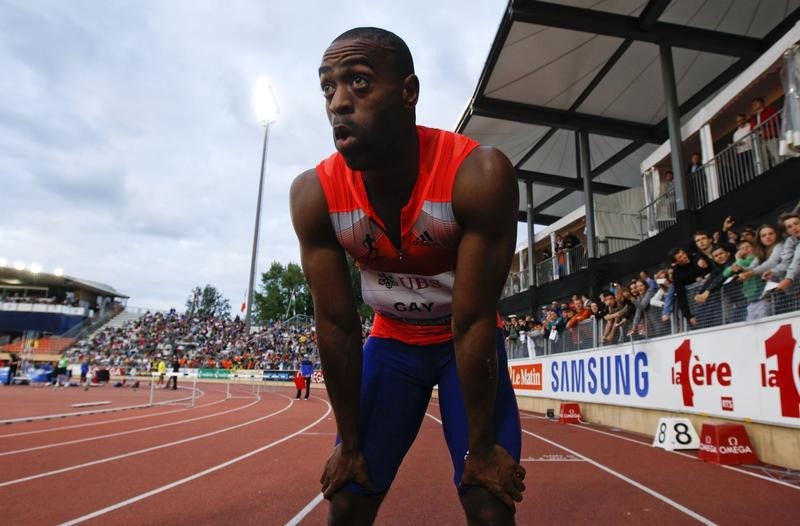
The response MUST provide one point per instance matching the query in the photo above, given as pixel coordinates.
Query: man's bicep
(322, 258)
(485, 200)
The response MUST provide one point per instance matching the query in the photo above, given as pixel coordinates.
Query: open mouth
(343, 137)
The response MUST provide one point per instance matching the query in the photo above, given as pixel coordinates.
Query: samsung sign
(621, 374)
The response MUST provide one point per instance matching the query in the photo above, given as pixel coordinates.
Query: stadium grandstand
(643, 131)
(42, 314)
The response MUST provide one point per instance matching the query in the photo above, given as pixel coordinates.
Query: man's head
(791, 222)
(679, 256)
(668, 176)
(745, 248)
(367, 79)
(748, 234)
(757, 104)
(741, 120)
(702, 240)
(608, 298)
(720, 255)
(696, 157)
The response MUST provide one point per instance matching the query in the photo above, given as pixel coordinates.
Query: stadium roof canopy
(10, 277)
(593, 65)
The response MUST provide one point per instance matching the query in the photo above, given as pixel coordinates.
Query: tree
(283, 293)
(207, 302)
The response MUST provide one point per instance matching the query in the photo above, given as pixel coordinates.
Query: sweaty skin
(371, 110)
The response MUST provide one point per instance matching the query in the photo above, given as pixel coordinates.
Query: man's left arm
(485, 201)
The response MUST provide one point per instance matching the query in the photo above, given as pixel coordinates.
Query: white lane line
(693, 457)
(140, 451)
(663, 498)
(92, 412)
(129, 432)
(203, 473)
(294, 521)
(99, 423)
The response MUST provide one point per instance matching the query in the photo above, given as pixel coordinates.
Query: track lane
(697, 485)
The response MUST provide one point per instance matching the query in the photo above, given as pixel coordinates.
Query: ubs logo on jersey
(387, 280)
(425, 240)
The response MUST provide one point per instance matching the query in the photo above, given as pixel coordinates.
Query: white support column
(711, 172)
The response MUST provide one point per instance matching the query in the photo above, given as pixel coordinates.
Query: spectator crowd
(198, 342)
(725, 277)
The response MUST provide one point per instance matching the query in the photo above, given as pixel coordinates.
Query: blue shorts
(396, 386)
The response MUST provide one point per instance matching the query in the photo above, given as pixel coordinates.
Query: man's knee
(348, 508)
(484, 509)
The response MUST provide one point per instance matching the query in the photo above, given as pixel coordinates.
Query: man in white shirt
(743, 143)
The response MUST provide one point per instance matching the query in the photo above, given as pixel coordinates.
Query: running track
(244, 460)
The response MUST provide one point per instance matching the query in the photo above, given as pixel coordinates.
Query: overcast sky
(129, 150)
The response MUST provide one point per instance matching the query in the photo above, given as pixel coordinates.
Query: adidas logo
(425, 239)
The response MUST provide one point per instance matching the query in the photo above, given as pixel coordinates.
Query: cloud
(129, 153)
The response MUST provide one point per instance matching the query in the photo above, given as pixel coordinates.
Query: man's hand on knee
(341, 468)
(498, 472)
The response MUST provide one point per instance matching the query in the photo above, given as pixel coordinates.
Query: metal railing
(737, 164)
(732, 303)
(610, 244)
(658, 215)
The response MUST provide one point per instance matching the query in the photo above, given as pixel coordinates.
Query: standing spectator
(684, 273)
(746, 260)
(85, 372)
(13, 363)
(702, 261)
(715, 280)
(767, 133)
(695, 175)
(162, 371)
(787, 270)
(641, 302)
(767, 248)
(306, 370)
(743, 143)
(176, 367)
(611, 314)
(62, 380)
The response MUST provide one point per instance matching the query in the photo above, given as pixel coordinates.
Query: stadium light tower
(266, 108)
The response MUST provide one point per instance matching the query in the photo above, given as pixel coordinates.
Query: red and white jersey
(409, 287)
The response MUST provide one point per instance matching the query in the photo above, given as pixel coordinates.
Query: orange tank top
(409, 287)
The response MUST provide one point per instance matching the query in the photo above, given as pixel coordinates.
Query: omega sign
(732, 448)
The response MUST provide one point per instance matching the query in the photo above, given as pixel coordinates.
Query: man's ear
(411, 90)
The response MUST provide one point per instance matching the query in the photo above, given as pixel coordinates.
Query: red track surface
(248, 461)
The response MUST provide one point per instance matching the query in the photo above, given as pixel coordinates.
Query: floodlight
(264, 102)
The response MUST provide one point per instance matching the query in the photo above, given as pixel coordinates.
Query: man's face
(792, 226)
(748, 235)
(745, 249)
(740, 121)
(702, 241)
(364, 99)
(681, 258)
(757, 105)
(608, 300)
(695, 159)
(720, 256)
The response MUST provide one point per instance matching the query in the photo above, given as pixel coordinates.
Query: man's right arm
(338, 326)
